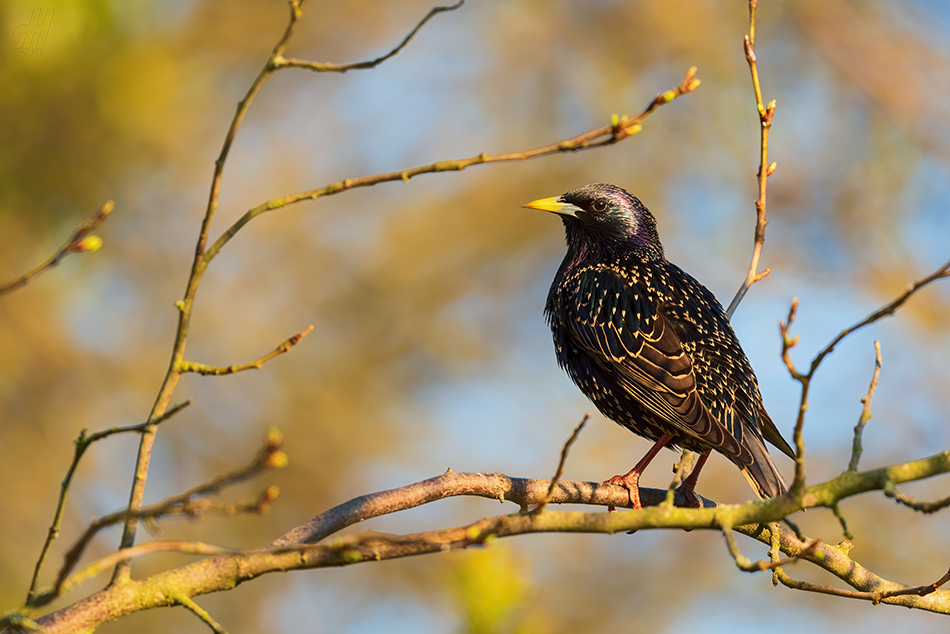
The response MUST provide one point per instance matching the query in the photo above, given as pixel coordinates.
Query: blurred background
(430, 349)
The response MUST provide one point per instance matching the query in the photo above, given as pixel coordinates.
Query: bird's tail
(765, 479)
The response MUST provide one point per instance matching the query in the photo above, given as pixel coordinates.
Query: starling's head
(604, 219)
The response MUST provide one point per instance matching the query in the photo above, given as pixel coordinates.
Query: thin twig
(201, 368)
(79, 242)
(856, 447)
(890, 490)
(560, 465)
(599, 137)
(342, 68)
(269, 456)
(765, 170)
(836, 510)
(188, 603)
(82, 443)
(873, 597)
(746, 565)
(805, 379)
(681, 470)
(885, 311)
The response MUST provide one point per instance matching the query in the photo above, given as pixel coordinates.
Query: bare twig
(890, 490)
(201, 368)
(82, 443)
(79, 242)
(681, 470)
(875, 597)
(856, 448)
(746, 565)
(765, 170)
(201, 613)
(599, 137)
(836, 510)
(560, 465)
(342, 68)
(885, 311)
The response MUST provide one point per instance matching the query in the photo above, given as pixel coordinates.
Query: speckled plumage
(647, 343)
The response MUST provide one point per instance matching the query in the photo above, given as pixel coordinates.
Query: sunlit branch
(299, 549)
(599, 137)
(885, 311)
(765, 170)
(79, 242)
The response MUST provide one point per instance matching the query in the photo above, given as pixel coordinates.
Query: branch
(298, 549)
(82, 443)
(765, 121)
(79, 242)
(200, 368)
(342, 68)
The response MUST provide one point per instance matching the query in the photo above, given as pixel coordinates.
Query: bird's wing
(619, 327)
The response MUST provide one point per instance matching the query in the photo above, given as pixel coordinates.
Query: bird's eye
(600, 204)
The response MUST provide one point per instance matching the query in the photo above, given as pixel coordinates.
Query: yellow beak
(554, 205)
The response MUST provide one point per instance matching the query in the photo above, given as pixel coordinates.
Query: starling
(650, 345)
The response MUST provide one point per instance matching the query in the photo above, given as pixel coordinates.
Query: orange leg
(689, 484)
(632, 478)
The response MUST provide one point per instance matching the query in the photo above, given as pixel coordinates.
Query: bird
(652, 347)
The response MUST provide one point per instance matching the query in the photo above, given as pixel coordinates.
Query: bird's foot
(630, 482)
(692, 499)
(688, 488)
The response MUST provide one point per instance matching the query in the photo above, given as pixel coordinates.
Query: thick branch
(298, 549)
